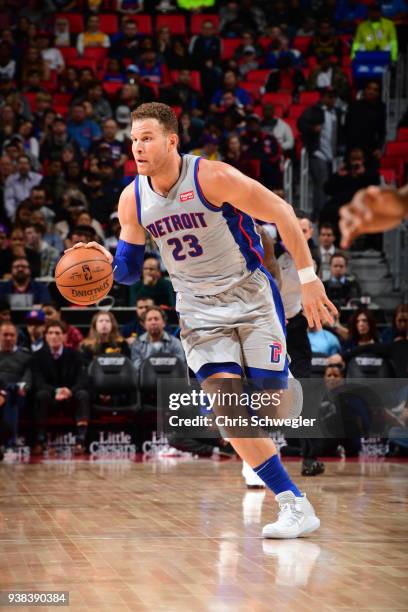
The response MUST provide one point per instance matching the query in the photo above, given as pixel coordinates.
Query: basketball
(83, 276)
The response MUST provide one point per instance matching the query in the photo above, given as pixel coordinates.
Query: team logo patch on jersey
(187, 195)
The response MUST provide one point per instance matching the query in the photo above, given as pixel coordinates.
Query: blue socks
(275, 476)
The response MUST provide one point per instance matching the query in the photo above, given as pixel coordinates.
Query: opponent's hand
(317, 307)
(371, 210)
(92, 245)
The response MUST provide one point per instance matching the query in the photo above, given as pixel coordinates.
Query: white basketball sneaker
(296, 518)
(251, 478)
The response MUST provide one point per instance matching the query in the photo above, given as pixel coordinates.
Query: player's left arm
(222, 183)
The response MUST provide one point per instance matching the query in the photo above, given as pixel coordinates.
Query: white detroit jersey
(205, 249)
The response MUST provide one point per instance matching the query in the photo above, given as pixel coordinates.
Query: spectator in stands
(348, 13)
(135, 327)
(153, 285)
(15, 373)
(234, 155)
(328, 74)
(318, 126)
(327, 249)
(18, 185)
(92, 37)
(285, 77)
(325, 41)
(118, 153)
(206, 46)
(365, 121)
(48, 254)
(21, 290)
(264, 147)
(60, 380)
(362, 328)
(376, 34)
(62, 32)
(50, 54)
(323, 341)
(126, 44)
(155, 339)
(39, 201)
(399, 327)
(103, 337)
(278, 128)
(7, 63)
(33, 62)
(129, 7)
(210, 149)
(306, 226)
(73, 336)
(82, 130)
(352, 176)
(31, 337)
(101, 108)
(18, 249)
(183, 94)
(341, 288)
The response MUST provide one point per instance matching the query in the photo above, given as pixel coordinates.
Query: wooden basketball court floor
(185, 536)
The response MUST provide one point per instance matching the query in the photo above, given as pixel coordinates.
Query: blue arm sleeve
(127, 263)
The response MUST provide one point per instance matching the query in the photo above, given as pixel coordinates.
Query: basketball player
(200, 213)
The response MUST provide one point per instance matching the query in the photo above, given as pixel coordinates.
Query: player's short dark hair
(164, 114)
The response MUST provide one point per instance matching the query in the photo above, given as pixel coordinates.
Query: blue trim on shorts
(200, 194)
(208, 369)
(269, 379)
(138, 202)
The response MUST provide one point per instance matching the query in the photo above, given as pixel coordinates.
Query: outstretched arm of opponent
(222, 183)
(128, 261)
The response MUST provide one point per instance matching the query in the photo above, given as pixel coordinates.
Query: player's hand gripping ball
(84, 274)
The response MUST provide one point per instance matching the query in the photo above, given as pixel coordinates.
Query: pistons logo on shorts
(276, 351)
(187, 195)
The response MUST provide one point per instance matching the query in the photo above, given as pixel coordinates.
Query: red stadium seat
(395, 164)
(389, 176)
(402, 134)
(397, 149)
(83, 62)
(76, 21)
(195, 78)
(68, 52)
(111, 88)
(252, 89)
(296, 110)
(301, 43)
(143, 22)
(96, 53)
(108, 23)
(130, 167)
(62, 98)
(282, 99)
(176, 23)
(258, 76)
(307, 98)
(228, 47)
(197, 20)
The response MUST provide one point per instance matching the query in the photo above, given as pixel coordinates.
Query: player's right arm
(128, 260)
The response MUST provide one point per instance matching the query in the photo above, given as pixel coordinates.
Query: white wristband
(307, 275)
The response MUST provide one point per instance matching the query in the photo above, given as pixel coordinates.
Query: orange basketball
(83, 276)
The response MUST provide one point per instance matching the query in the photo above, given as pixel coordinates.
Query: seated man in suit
(60, 379)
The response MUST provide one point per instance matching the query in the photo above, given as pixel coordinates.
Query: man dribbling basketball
(200, 213)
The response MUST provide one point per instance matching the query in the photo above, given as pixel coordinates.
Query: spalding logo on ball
(84, 276)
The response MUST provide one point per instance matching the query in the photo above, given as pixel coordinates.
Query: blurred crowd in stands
(252, 82)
